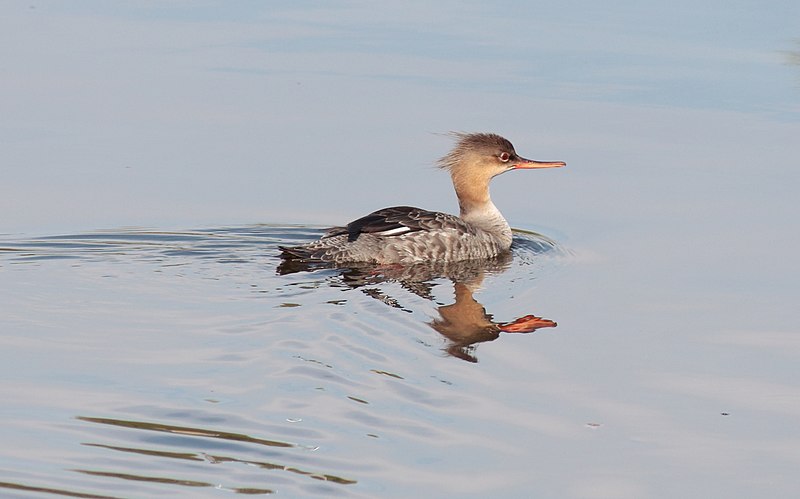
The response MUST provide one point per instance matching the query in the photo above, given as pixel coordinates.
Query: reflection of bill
(465, 323)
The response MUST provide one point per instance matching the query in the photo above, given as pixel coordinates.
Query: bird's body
(403, 234)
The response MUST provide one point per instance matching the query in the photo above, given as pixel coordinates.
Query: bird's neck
(477, 208)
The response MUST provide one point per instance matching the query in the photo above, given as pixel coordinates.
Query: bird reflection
(463, 324)
(466, 323)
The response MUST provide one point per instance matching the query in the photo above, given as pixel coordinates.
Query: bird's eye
(504, 156)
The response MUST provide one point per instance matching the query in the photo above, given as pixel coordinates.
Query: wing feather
(397, 221)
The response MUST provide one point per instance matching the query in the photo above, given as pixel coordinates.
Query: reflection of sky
(698, 55)
(678, 121)
(179, 114)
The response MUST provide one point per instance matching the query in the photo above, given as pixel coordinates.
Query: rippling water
(657, 358)
(193, 361)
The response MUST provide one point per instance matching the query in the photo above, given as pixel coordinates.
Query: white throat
(488, 217)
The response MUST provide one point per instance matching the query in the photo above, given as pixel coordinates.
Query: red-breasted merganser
(403, 234)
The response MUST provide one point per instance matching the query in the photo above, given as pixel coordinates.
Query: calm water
(640, 341)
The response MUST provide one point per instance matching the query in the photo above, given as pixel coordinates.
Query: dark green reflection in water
(202, 457)
(51, 490)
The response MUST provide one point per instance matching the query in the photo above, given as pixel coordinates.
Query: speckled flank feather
(404, 234)
(425, 236)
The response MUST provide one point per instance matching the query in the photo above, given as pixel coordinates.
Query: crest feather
(468, 142)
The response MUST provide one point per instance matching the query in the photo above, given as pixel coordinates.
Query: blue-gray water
(154, 157)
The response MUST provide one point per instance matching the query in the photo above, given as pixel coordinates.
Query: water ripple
(192, 362)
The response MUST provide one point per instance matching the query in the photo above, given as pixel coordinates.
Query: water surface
(154, 157)
(188, 360)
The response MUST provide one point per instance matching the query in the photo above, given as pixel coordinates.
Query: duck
(409, 235)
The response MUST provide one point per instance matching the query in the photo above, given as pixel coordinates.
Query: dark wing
(396, 221)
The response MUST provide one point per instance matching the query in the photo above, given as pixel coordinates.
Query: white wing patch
(394, 232)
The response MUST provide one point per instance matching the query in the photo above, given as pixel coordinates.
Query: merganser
(406, 235)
